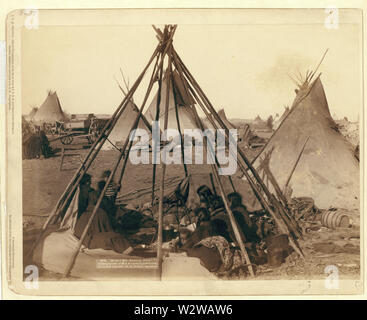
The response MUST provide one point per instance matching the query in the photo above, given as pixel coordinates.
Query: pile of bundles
(350, 130)
(303, 208)
(312, 218)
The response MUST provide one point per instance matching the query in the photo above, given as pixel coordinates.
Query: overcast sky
(242, 66)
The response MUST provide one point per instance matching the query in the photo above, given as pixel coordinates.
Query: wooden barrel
(333, 219)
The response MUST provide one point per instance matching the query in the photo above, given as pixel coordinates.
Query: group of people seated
(213, 240)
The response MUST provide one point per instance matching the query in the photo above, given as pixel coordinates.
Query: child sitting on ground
(112, 188)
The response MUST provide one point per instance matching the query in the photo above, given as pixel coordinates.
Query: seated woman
(107, 204)
(243, 219)
(208, 199)
(100, 233)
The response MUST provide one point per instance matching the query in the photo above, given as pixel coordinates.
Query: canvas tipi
(177, 96)
(50, 110)
(121, 130)
(327, 171)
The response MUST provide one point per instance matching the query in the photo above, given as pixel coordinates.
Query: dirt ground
(43, 184)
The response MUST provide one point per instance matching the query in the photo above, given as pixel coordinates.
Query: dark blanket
(209, 257)
(32, 147)
(35, 145)
(100, 233)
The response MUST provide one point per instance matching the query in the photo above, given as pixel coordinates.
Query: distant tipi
(50, 110)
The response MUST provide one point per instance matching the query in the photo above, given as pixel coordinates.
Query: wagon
(83, 126)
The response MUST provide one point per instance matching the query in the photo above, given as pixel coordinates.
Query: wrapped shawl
(232, 259)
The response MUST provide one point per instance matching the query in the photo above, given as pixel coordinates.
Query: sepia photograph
(172, 146)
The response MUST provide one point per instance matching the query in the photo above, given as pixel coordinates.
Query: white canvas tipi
(121, 130)
(177, 95)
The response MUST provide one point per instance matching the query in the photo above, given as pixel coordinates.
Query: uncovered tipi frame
(166, 52)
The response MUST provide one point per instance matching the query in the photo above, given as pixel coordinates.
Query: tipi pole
(313, 73)
(231, 182)
(74, 182)
(215, 169)
(296, 163)
(165, 38)
(276, 215)
(179, 130)
(212, 183)
(163, 173)
(157, 116)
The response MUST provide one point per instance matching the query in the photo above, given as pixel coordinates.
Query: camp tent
(327, 170)
(121, 130)
(258, 120)
(259, 124)
(176, 95)
(50, 110)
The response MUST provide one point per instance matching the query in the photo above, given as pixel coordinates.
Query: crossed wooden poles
(165, 49)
